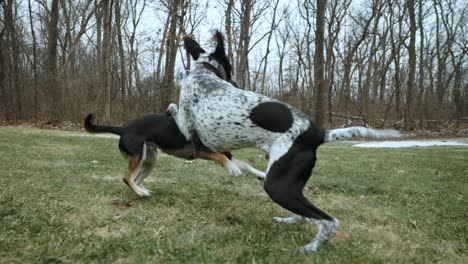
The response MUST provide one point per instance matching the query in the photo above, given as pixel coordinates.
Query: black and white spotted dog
(226, 118)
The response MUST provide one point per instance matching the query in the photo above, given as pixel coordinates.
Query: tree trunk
(3, 93)
(98, 14)
(319, 61)
(412, 66)
(171, 53)
(244, 40)
(421, 94)
(161, 50)
(12, 58)
(52, 80)
(228, 26)
(123, 72)
(106, 58)
(34, 63)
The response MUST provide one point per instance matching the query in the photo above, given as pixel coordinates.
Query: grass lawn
(62, 200)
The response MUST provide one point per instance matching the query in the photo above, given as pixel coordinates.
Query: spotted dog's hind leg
(326, 228)
(284, 184)
(148, 165)
(290, 220)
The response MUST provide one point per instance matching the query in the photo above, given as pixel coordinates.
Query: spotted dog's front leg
(181, 119)
(173, 110)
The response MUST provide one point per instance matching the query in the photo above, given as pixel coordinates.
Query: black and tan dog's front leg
(203, 152)
(221, 159)
(224, 159)
(146, 168)
(135, 167)
(234, 166)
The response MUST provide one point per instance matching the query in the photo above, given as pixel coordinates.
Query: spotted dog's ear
(219, 39)
(193, 47)
(220, 54)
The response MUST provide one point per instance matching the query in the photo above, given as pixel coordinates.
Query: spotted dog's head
(217, 62)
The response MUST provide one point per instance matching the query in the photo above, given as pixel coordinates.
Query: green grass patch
(58, 193)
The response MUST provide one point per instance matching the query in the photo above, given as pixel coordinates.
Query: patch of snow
(408, 144)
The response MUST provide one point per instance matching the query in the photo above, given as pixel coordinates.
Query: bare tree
(319, 64)
(281, 46)
(228, 25)
(171, 52)
(136, 9)
(86, 15)
(412, 65)
(106, 57)
(396, 43)
(52, 38)
(14, 101)
(123, 70)
(262, 66)
(350, 53)
(34, 63)
(337, 11)
(244, 40)
(420, 98)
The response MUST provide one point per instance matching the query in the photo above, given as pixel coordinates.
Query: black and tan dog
(140, 139)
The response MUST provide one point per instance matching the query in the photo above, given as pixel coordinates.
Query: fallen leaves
(121, 205)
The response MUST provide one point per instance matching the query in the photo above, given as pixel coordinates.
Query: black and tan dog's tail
(92, 128)
(351, 132)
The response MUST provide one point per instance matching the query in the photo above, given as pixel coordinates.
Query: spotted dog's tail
(350, 132)
(91, 128)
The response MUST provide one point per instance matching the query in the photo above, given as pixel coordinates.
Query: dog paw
(233, 170)
(312, 247)
(143, 192)
(173, 109)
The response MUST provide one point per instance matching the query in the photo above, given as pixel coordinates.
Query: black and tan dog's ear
(193, 47)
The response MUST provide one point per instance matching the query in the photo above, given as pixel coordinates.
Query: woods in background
(377, 62)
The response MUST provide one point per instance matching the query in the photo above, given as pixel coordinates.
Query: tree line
(376, 62)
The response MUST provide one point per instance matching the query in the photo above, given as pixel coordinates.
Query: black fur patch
(218, 71)
(220, 55)
(193, 48)
(272, 116)
(293, 170)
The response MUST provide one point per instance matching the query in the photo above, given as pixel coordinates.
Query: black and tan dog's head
(217, 61)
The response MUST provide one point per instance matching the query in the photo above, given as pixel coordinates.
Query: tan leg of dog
(134, 167)
(148, 165)
(222, 160)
